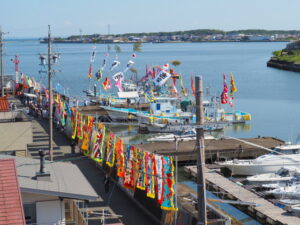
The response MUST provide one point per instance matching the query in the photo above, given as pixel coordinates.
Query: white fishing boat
(187, 135)
(284, 174)
(285, 155)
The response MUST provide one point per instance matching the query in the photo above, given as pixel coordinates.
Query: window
(30, 213)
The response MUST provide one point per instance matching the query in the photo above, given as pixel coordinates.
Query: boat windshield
(278, 151)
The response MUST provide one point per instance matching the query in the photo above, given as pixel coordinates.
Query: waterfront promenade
(115, 202)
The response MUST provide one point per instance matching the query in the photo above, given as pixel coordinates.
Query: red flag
(224, 95)
(193, 86)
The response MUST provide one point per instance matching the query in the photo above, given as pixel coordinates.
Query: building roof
(11, 207)
(66, 180)
(15, 136)
(4, 106)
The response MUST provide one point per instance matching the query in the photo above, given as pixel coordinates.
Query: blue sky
(29, 18)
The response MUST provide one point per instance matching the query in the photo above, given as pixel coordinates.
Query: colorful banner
(97, 153)
(149, 175)
(168, 184)
(141, 171)
(161, 78)
(120, 158)
(159, 177)
(129, 168)
(110, 149)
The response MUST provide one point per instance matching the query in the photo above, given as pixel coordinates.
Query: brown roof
(11, 208)
(4, 106)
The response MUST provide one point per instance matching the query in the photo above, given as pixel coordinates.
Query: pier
(214, 149)
(262, 210)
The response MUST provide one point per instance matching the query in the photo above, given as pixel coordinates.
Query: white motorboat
(285, 155)
(187, 135)
(287, 191)
(282, 175)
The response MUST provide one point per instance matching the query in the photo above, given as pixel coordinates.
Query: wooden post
(201, 190)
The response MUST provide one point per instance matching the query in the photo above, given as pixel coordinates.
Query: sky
(30, 18)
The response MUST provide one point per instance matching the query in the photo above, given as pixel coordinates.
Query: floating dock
(214, 148)
(262, 210)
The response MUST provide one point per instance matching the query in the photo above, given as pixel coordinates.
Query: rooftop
(66, 180)
(11, 208)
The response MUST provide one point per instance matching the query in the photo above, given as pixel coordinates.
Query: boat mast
(201, 189)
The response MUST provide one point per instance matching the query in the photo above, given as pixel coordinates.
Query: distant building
(260, 38)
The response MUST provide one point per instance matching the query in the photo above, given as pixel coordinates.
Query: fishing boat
(284, 174)
(185, 135)
(281, 156)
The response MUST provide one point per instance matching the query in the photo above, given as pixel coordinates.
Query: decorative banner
(166, 66)
(119, 85)
(110, 150)
(133, 55)
(114, 65)
(193, 86)
(149, 175)
(104, 62)
(141, 171)
(98, 75)
(168, 193)
(129, 64)
(80, 122)
(93, 55)
(159, 177)
(161, 78)
(182, 87)
(120, 158)
(106, 84)
(129, 168)
(224, 95)
(97, 153)
(90, 74)
(117, 76)
(74, 122)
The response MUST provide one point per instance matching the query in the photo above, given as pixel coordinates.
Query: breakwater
(283, 65)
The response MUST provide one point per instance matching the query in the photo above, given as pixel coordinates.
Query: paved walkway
(115, 202)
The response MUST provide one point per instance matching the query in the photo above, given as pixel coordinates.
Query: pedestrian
(106, 183)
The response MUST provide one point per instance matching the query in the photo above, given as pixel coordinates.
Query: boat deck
(264, 210)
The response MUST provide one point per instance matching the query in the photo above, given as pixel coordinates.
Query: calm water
(270, 95)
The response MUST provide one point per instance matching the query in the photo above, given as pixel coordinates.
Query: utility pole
(50, 96)
(2, 62)
(201, 189)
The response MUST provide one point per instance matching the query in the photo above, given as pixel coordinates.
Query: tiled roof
(11, 208)
(4, 106)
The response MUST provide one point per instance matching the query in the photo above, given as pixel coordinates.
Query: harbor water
(270, 95)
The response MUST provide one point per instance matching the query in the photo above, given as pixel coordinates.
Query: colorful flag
(182, 87)
(193, 86)
(129, 64)
(97, 153)
(224, 95)
(117, 76)
(93, 55)
(166, 66)
(129, 168)
(114, 65)
(159, 177)
(119, 85)
(98, 75)
(106, 84)
(233, 86)
(149, 175)
(120, 158)
(161, 78)
(133, 55)
(110, 150)
(90, 72)
(141, 171)
(168, 189)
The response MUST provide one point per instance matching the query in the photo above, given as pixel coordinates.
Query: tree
(175, 62)
(137, 47)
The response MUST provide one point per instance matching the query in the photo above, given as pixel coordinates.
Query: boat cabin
(286, 149)
(164, 105)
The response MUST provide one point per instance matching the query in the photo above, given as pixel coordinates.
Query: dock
(262, 210)
(214, 148)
